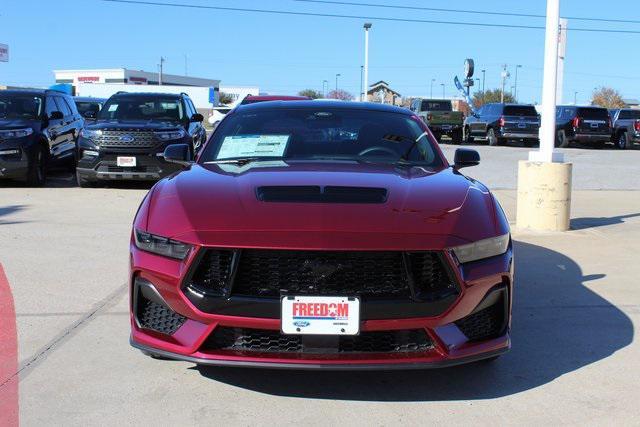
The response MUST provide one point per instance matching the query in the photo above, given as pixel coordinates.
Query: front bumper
(15, 166)
(150, 166)
(190, 338)
(518, 135)
(586, 137)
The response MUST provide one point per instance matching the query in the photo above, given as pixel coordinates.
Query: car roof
(40, 92)
(275, 97)
(88, 99)
(150, 94)
(315, 104)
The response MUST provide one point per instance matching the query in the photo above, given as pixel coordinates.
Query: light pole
(337, 75)
(505, 75)
(325, 87)
(361, 80)
(432, 81)
(160, 71)
(365, 83)
(442, 84)
(483, 75)
(515, 84)
(575, 98)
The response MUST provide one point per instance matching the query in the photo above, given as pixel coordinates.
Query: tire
(491, 137)
(83, 182)
(561, 139)
(36, 173)
(622, 141)
(467, 136)
(456, 137)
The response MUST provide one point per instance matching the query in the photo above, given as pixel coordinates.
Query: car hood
(218, 205)
(15, 123)
(132, 125)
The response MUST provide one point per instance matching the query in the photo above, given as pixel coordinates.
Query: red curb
(8, 356)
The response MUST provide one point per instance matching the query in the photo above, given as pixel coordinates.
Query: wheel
(36, 173)
(491, 137)
(561, 139)
(622, 141)
(468, 137)
(82, 181)
(456, 137)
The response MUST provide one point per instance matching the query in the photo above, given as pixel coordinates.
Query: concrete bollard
(544, 196)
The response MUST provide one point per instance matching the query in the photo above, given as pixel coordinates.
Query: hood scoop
(318, 194)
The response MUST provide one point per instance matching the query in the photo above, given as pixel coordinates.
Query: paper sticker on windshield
(253, 146)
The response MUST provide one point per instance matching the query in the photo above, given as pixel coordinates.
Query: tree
(310, 93)
(225, 98)
(340, 94)
(480, 98)
(607, 97)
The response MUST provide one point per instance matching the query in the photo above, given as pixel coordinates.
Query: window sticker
(253, 146)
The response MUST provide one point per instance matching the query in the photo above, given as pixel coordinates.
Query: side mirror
(197, 117)
(89, 114)
(465, 157)
(178, 153)
(56, 115)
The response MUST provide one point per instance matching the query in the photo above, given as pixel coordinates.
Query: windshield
(84, 106)
(520, 110)
(593, 113)
(322, 134)
(142, 108)
(20, 106)
(436, 106)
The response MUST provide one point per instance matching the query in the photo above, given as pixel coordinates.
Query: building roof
(381, 85)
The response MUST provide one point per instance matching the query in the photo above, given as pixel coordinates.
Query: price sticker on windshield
(235, 146)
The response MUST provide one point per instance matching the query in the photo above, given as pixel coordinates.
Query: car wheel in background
(561, 139)
(456, 137)
(468, 137)
(36, 173)
(491, 137)
(622, 142)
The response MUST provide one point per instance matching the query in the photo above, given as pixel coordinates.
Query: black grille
(157, 317)
(141, 139)
(370, 275)
(317, 194)
(485, 324)
(268, 341)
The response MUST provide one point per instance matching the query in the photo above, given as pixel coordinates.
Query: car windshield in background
(436, 106)
(141, 108)
(520, 110)
(629, 114)
(593, 113)
(20, 106)
(83, 107)
(322, 134)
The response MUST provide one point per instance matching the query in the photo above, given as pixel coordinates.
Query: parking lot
(574, 352)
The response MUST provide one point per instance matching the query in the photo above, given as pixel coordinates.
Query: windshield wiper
(241, 161)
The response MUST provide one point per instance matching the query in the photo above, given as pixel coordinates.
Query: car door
(476, 128)
(66, 144)
(194, 128)
(54, 125)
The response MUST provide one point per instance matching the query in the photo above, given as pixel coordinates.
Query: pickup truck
(438, 114)
(626, 127)
(584, 125)
(500, 123)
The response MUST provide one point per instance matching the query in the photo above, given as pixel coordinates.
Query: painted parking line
(8, 355)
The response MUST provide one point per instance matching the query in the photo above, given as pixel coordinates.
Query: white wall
(239, 92)
(199, 95)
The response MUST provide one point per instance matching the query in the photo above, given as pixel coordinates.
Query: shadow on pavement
(8, 210)
(593, 222)
(559, 326)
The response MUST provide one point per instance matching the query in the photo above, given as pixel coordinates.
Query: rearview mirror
(89, 114)
(465, 157)
(56, 115)
(178, 153)
(197, 117)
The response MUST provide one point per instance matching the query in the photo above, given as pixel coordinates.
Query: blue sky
(284, 54)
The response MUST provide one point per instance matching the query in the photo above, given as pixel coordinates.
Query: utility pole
(431, 95)
(367, 27)
(160, 71)
(337, 75)
(562, 50)
(505, 75)
(325, 88)
(442, 84)
(515, 84)
(575, 98)
(483, 75)
(361, 82)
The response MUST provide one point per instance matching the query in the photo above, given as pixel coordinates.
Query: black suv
(38, 128)
(626, 127)
(499, 123)
(582, 124)
(89, 107)
(128, 139)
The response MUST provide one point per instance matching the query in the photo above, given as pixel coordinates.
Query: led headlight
(481, 249)
(170, 135)
(91, 133)
(161, 245)
(15, 133)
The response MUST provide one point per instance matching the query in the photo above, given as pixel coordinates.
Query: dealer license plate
(307, 315)
(126, 162)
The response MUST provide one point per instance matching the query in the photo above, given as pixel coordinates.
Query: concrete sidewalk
(574, 357)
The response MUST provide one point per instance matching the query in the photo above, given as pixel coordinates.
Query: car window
(62, 106)
(50, 106)
(593, 113)
(520, 110)
(302, 134)
(71, 105)
(193, 107)
(428, 105)
(143, 108)
(84, 106)
(14, 106)
(629, 114)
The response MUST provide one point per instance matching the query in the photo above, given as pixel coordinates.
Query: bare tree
(340, 94)
(490, 96)
(310, 93)
(607, 97)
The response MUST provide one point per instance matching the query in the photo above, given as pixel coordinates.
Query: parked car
(625, 131)
(438, 114)
(130, 134)
(252, 99)
(500, 123)
(89, 107)
(302, 238)
(217, 114)
(38, 130)
(591, 125)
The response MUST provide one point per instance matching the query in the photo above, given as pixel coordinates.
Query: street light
(442, 84)
(575, 98)
(337, 75)
(325, 87)
(515, 84)
(483, 75)
(361, 80)
(365, 83)
(432, 80)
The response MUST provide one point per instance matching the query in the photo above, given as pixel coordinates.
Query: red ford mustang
(311, 234)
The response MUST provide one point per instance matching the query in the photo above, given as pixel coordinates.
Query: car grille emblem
(126, 138)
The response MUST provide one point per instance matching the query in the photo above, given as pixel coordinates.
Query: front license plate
(126, 162)
(522, 125)
(305, 315)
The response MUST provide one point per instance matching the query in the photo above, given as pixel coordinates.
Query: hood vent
(317, 194)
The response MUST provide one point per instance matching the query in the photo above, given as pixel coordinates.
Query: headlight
(15, 133)
(91, 134)
(169, 135)
(482, 249)
(161, 245)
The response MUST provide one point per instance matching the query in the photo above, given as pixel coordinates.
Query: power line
(472, 12)
(378, 18)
